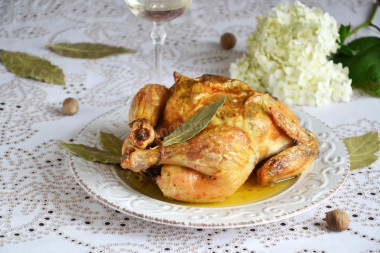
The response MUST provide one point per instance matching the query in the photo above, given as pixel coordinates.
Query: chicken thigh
(248, 128)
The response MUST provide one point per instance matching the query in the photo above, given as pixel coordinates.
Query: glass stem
(158, 36)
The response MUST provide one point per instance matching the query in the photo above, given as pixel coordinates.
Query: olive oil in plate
(249, 192)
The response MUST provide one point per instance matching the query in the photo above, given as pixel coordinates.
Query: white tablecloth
(43, 209)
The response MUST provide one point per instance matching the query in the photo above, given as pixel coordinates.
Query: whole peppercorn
(337, 220)
(228, 40)
(70, 106)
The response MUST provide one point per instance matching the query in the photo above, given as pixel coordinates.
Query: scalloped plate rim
(174, 222)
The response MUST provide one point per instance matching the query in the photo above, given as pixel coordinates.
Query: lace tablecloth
(43, 209)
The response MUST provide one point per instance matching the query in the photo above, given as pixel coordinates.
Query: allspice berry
(228, 40)
(70, 106)
(337, 220)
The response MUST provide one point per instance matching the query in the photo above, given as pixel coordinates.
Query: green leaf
(111, 143)
(346, 50)
(91, 153)
(193, 125)
(374, 77)
(364, 65)
(87, 50)
(364, 43)
(344, 32)
(25, 65)
(362, 149)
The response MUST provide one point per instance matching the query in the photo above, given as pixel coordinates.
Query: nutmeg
(337, 220)
(70, 106)
(228, 40)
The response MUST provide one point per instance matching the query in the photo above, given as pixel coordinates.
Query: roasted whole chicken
(248, 128)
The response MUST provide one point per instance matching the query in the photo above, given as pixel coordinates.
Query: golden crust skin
(250, 126)
(149, 103)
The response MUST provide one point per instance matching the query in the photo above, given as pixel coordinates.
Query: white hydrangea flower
(288, 54)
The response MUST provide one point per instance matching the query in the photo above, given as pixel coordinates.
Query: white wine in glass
(159, 12)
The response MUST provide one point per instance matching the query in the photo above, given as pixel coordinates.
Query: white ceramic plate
(315, 185)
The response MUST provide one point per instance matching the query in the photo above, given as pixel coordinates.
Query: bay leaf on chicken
(193, 125)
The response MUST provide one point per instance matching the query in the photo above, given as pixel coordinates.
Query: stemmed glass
(158, 11)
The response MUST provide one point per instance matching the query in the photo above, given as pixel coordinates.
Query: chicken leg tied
(145, 111)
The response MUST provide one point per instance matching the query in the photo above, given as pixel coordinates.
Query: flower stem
(369, 22)
(375, 26)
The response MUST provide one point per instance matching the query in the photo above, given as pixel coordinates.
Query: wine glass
(158, 11)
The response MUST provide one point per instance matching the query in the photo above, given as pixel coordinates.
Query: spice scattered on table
(337, 220)
(70, 106)
(228, 41)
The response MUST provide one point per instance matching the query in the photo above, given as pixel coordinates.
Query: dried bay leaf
(91, 153)
(362, 149)
(87, 50)
(193, 125)
(111, 143)
(25, 65)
